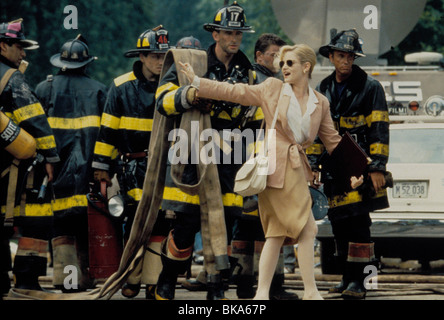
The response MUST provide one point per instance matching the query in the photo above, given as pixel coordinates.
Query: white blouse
(299, 124)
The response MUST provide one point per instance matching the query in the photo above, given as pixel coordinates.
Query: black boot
(355, 288)
(341, 264)
(30, 263)
(130, 290)
(360, 255)
(171, 268)
(215, 288)
(5, 283)
(245, 286)
(166, 284)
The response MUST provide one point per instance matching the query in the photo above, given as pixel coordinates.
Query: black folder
(348, 159)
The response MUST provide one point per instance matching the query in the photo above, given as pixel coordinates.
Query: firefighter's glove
(102, 175)
(191, 95)
(204, 105)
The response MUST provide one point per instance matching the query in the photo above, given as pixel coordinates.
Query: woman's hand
(188, 70)
(355, 182)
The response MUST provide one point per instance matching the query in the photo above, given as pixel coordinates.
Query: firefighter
(357, 105)
(188, 43)
(74, 103)
(21, 179)
(225, 63)
(123, 142)
(248, 237)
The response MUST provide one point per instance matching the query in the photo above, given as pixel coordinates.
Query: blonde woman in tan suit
(303, 113)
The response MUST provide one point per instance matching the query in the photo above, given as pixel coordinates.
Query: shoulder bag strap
(6, 78)
(13, 169)
(274, 121)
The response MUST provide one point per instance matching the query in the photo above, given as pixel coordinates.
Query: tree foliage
(110, 27)
(427, 35)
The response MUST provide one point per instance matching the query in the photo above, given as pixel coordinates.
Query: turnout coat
(74, 105)
(360, 109)
(126, 125)
(171, 102)
(20, 104)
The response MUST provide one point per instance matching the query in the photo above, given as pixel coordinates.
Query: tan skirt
(284, 212)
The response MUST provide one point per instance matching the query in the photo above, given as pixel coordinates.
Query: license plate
(410, 189)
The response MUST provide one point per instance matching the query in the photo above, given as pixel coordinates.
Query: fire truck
(414, 89)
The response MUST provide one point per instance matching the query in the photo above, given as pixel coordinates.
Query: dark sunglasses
(289, 63)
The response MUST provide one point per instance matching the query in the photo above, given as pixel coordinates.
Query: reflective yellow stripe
(136, 194)
(166, 87)
(258, 115)
(254, 213)
(70, 202)
(168, 103)
(232, 200)
(377, 116)
(136, 124)
(28, 112)
(256, 147)
(124, 78)
(224, 115)
(235, 112)
(175, 194)
(45, 143)
(352, 122)
(33, 210)
(110, 121)
(351, 197)
(315, 148)
(380, 149)
(103, 149)
(74, 123)
(381, 193)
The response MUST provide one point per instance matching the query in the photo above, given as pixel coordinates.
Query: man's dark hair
(266, 40)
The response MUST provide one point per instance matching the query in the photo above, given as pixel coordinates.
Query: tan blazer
(268, 95)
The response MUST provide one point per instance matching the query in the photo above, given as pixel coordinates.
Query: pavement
(399, 285)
